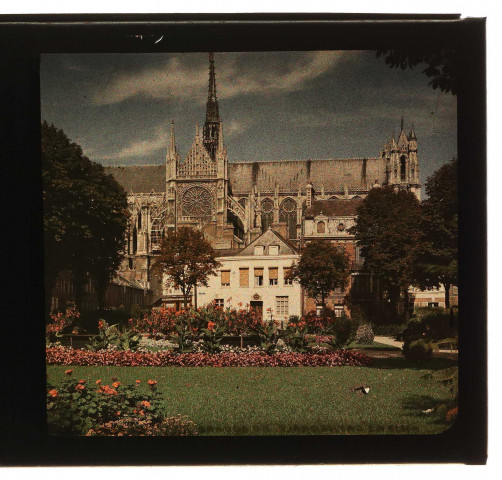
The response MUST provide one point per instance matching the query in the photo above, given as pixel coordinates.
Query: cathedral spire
(212, 126)
(172, 142)
(212, 110)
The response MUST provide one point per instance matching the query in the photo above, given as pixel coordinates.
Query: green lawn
(263, 401)
(373, 346)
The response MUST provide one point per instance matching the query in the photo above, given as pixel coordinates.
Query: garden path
(388, 341)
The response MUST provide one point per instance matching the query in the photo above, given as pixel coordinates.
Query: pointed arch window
(157, 233)
(287, 214)
(267, 214)
(403, 168)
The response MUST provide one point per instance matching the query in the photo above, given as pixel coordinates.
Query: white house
(257, 276)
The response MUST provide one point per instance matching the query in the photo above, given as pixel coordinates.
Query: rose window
(267, 205)
(197, 202)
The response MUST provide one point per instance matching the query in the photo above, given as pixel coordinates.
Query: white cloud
(141, 148)
(234, 75)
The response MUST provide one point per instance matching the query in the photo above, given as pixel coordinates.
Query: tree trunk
(195, 295)
(446, 295)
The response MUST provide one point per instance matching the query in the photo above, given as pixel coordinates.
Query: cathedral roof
(333, 207)
(334, 174)
(140, 178)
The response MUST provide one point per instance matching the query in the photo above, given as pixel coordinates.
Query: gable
(267, 239)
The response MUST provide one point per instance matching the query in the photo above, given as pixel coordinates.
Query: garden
(136, 377)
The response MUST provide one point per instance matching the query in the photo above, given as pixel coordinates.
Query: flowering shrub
(163, 322)
(133, 426)
(114, 336)
(68, 356)
(211, 337)
(75, 407)
(59, 322)
(364, 334)
(295, 335)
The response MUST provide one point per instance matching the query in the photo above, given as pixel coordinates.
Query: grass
(373, 346)
(290, 401)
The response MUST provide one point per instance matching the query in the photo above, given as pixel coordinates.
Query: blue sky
(274, 105)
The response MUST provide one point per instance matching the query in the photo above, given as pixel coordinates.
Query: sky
(274, 105)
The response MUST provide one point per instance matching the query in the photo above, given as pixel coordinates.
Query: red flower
(53, 393)
(138, 381)
(210, 326)
(116, 384)
(68, 372)
(146, 403)
(81, 381)
(152, 382)
(98, 382)
(79, 387)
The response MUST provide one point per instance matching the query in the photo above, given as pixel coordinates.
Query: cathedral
(234, 202)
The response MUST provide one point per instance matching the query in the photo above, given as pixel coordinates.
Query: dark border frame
(22, 416)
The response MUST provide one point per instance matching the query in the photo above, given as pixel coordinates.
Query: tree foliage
(322, 268)
(387, 230)
(437, 262)
(187, 260)
(441, 65)
(85, 214)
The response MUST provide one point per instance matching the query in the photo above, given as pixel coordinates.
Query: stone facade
(234, 202)
(257, 277)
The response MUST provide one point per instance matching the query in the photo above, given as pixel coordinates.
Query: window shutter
(258, 272)
(244, 277)
(225, 277)
(273, 273)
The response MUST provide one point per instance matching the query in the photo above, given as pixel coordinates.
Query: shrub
(364, 334)
(391, 330)
(431, 325)
(74, 407)
(341, 329)
(133, 426)
(59, 323)
(419, 350)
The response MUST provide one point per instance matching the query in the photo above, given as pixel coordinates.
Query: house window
(225, 278)
(244, 277)
(287, 277)
(273, 275)
(273, 250)
(433, 304)
(258, 277)
(338, 310)
(318, 309)
(258, 250)
(321, 227)
(282, 306)
(219, 302)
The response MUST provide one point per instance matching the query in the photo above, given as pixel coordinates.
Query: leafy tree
(322, 268)
(187, 260)
(387, 230)
(437, 262)
(85, 215)
(441, 65)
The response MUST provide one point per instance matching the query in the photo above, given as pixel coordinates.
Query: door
(257, 306)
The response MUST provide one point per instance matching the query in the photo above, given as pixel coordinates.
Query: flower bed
(68, 356)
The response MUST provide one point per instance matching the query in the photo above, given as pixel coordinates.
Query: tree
(85, 215)
(187, 260)
(437, 262)
(321, 269)
(441, 64)
(387, 230)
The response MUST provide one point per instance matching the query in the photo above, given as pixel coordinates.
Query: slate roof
(140, 178)
(333, 174)
(334, 207)
(270, 237)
